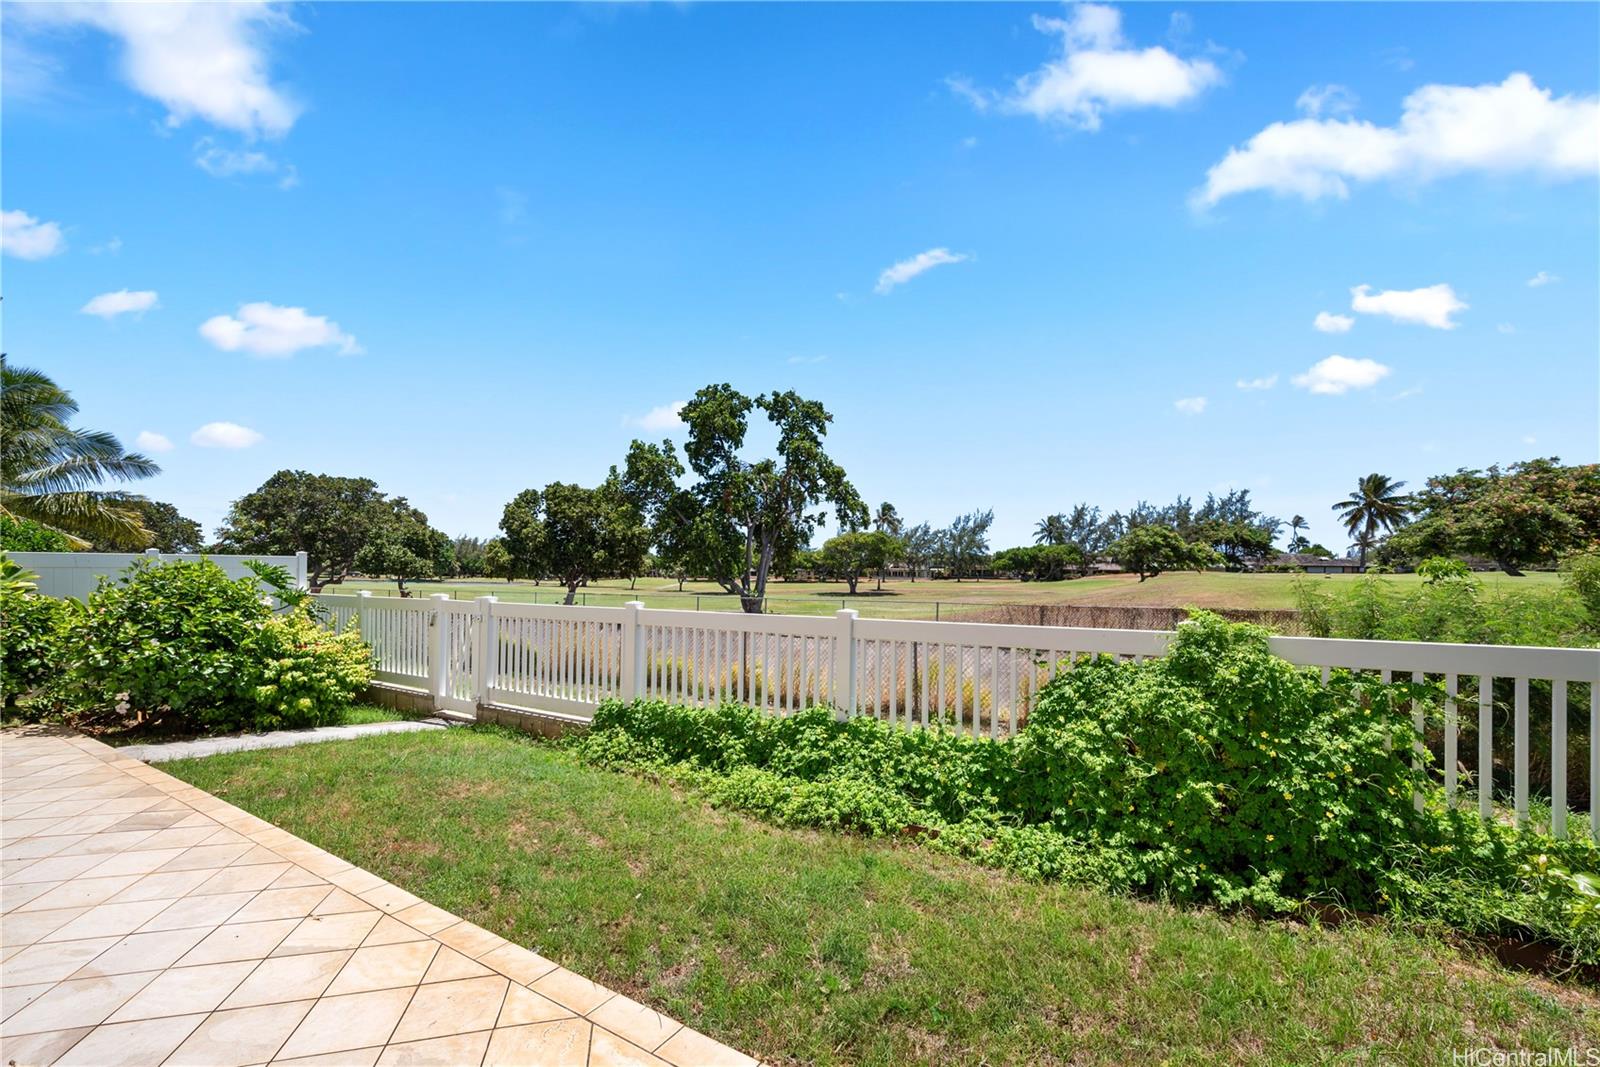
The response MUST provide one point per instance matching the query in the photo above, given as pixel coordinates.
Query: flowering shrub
(184, 640)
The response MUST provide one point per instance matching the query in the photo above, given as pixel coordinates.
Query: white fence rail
(75, 574)
(978, 678)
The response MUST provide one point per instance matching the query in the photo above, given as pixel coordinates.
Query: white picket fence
(978, 678)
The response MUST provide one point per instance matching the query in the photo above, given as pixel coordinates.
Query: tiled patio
(147, 922)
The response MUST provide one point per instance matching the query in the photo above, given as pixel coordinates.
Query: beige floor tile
(107, 842)
(200, 856)
(452, 1051)
(53, 869)
(51, 962)
(134, 1044)
(183, 991)
(253, 876)
(525, 1006)
(391, 931)
(558, 1044)
(572, 990)
(691, 1048)
(339, 901)
(608, 1050)
(280, 903)
(80, 893)
(133, 862)
(452, 1008)
(295, 876)
(39, 847)
(322, 933)
(385, 967)
(104, 920)
(17, 997)
(141, 952)
(36, 1050)
(198, 911)
(356, 1021)
(361, 1057)
(180, 836)
(13, 897)
(469, 939)
(288, 978)
(81, 1002)
(643, 1026)
(517, 963)
(426, 917)
(390, 898)
(450, 965)
(245, 941)
(256, 855)
(241, 1036)
(168, 886)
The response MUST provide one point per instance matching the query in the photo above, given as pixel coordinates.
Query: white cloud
(1445, 129)
(907, 269)
(1431, 306)
(25, 237)
(1326, 322)
(1096, 72)
(1543, 278)
(1506, 327)
(150, 441)
(122, 302)
(1340, 374)
(207, 61)
(1190, 405)
(1266, 382)
(225, 435)
(110, 248)
(264, 329)
(1319, 100)
(1529, 439)
(664, 417)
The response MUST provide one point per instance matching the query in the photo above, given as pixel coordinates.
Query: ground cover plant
(181, 648)
(1217, 774)
(802, 946)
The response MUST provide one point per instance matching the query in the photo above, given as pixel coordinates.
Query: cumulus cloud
(664, 417)
(225, 435)
(907, 269)
(1541, 279)
(1097, 71)
(122, 302)
(1340, 374)
(1431, 306)
(1191, 405)
(25, 237)
(1512, 127)
(264, 329)
(205, 61)
(1319, 100)
(150, 441)
(1327, 322)
(1265, 382)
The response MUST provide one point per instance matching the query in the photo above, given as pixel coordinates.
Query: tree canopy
(1150, 549)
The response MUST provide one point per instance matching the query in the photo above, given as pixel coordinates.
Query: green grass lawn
(915, 600)
(809, 947)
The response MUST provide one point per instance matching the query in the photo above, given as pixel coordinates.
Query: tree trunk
(1511, 569)
(572, 592)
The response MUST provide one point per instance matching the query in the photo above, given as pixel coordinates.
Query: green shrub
(30, 634)
(25, 535)
(1441, 568)
(184, 641)
(1450, 609)
(1581, 575)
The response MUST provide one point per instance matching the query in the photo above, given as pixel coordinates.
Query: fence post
(485, 652)
(844, 664)
(301, 570)
(362, 620)
(439, 661)
(632, 652)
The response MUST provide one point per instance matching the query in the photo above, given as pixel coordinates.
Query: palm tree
(49, 471)
(1296, 524)
(1377, 504)
(1051, 530)
(887, 520)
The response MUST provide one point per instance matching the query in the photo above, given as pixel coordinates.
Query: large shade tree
(573, 533)
(742, 516)
(51, 472)
(1376, 505)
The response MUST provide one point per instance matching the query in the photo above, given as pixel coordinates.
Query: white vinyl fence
(978, 678)
(75, 574)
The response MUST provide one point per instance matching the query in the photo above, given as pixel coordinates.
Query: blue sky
(466, 249)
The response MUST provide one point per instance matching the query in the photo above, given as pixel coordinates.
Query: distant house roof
(1305, 559)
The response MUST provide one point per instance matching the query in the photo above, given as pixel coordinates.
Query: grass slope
(804, 947)
(914, 600)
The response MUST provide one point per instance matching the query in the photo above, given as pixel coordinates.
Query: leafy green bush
(183, 640)
(25, 535)
(30, 634)
(1581, 575)
(1441, 568)
(1218, 773)
(1452, 609)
